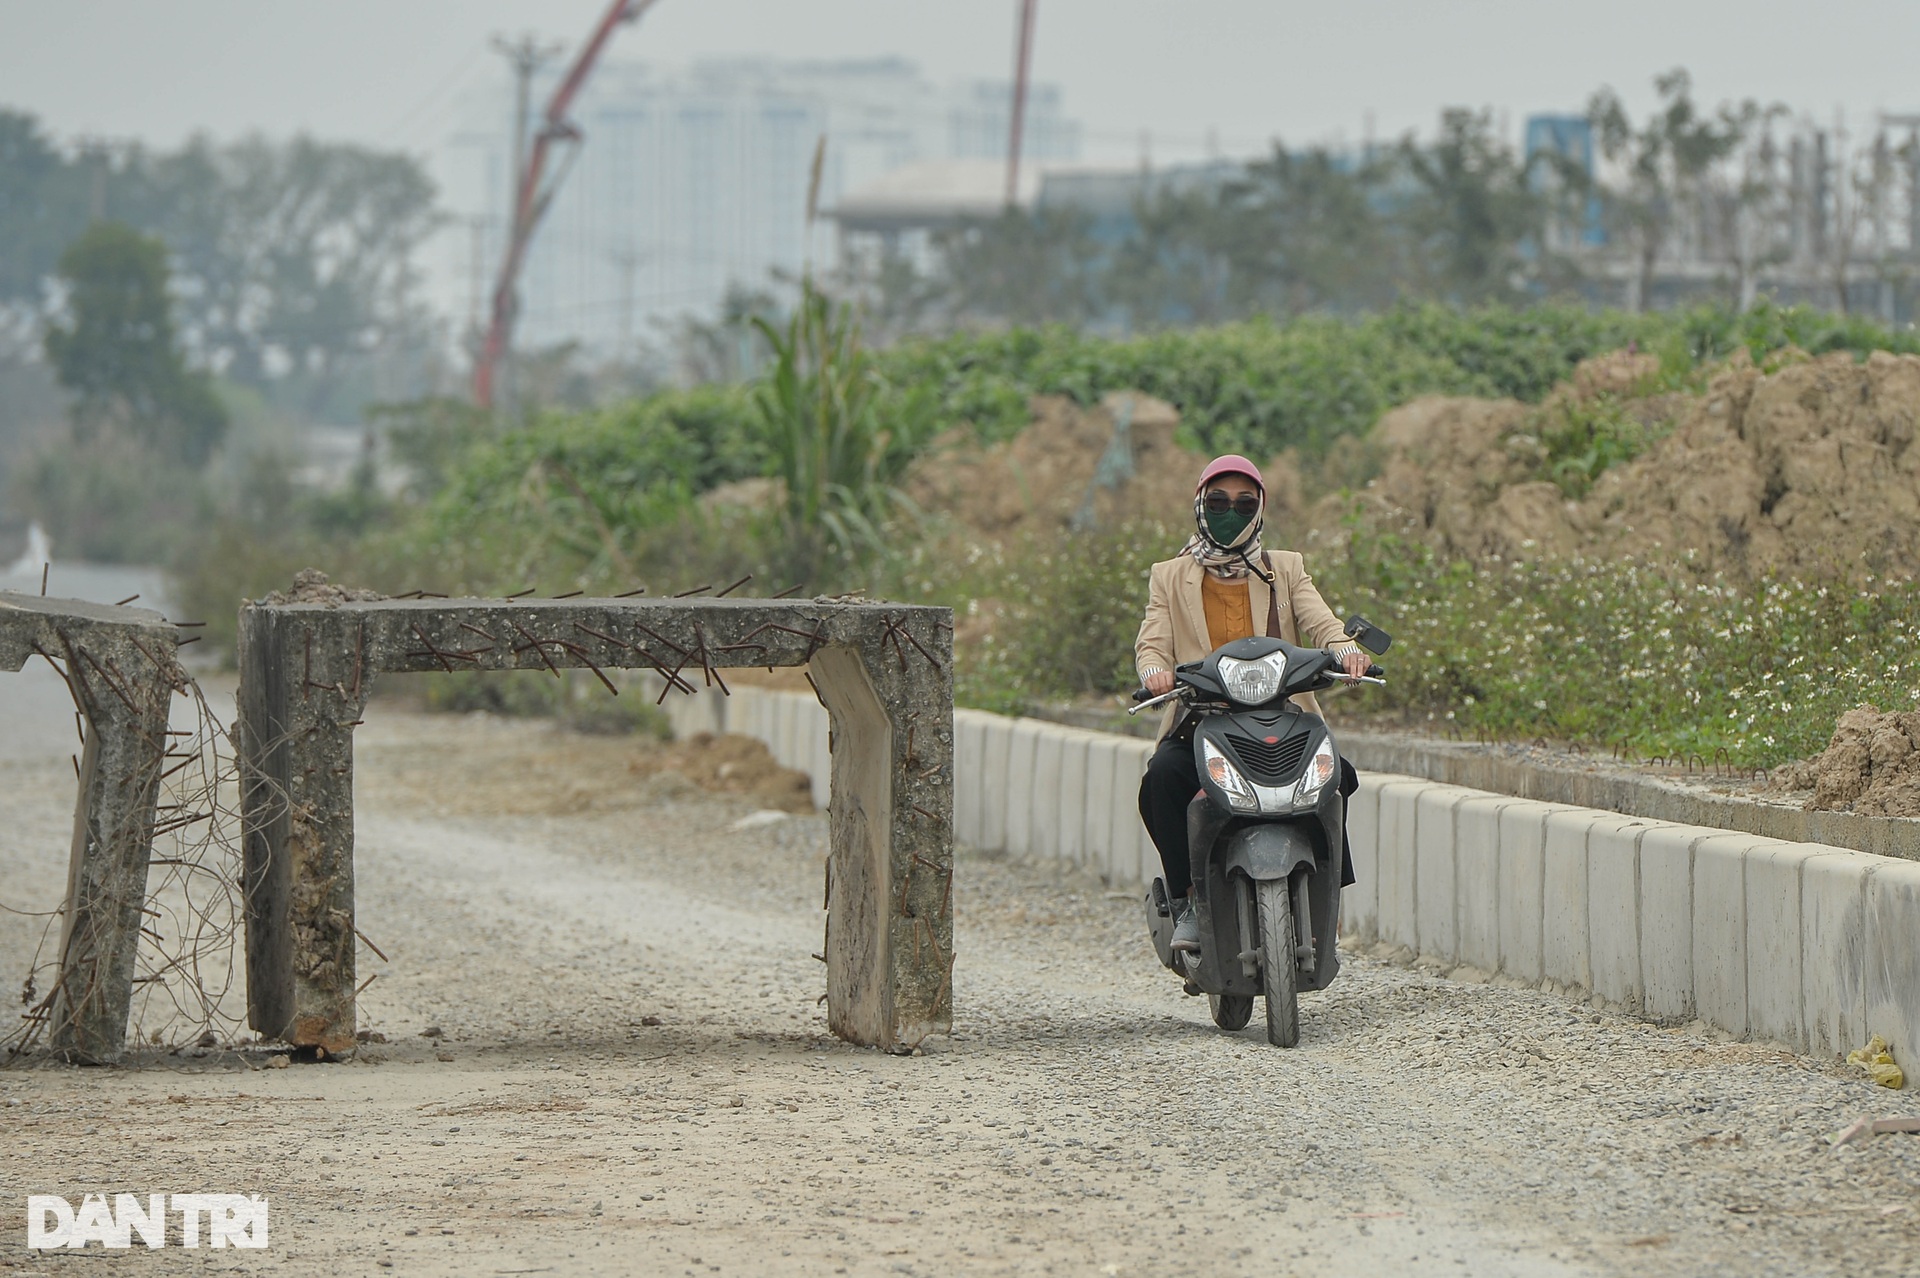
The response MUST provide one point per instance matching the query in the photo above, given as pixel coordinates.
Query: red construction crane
(533, 193)
(1022, 65)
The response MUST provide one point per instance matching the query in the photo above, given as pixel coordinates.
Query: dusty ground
(604, 1055)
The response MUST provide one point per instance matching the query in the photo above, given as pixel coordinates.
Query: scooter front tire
(1279, 973)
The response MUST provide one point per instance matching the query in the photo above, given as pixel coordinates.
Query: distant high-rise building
(691, 181)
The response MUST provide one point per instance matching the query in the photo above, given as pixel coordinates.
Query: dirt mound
(1805, 465)
(1871, 766)
(732, 765)
(1076, 467)
(310, 586)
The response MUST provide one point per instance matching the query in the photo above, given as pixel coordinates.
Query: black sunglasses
(1218, 503)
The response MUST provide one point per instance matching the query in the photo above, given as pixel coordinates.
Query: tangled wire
(185, 968)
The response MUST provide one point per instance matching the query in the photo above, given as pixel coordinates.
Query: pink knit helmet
(1231, 464)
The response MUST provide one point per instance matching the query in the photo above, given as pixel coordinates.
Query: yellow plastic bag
(1878, 1062)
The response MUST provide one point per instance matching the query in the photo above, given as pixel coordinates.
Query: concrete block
(1360, 904)
(1047, 813)
(996, 748)
(822, 754)
(1398, 923)
(1666, 920)
(1613, 908)
(1102, 803)
(1720, 930)
(1476, 853)
(1893, 959)
(969, 761)
(752, 705)
(1021, 749)
(1136, 859)
(1436, 922)
(1563, 897)
(1774, 935)
(1523, 832)
(1071, 822)
(1833, 950)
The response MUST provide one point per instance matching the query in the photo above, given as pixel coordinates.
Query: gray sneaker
(1186, 927)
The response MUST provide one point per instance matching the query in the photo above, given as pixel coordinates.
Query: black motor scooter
(1266, 831)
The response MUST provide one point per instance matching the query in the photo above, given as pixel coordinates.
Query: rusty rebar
(735, 586)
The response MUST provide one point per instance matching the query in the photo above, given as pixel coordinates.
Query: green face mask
(1224, 526)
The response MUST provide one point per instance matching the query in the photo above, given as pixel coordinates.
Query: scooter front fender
(1271, 850)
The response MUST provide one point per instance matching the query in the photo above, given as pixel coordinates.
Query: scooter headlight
(1221, 772)
(1252, 683)
(1320, 769)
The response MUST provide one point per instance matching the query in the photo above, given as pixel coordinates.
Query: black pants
(1171, 781)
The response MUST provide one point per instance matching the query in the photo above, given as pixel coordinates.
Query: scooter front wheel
(1231, 1011)
(1279, 973)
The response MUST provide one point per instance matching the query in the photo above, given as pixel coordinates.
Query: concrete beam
(884, 671)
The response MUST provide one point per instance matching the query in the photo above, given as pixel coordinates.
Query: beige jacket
(1174, 631)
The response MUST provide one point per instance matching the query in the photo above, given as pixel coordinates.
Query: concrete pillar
(119, 665)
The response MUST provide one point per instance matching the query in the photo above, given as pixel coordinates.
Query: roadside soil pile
(1059, 466)
(1807, 465)
(730, 765)
(1872, 766)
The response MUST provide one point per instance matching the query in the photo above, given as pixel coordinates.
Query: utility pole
(525, 55)
(534, 188)
(1022, 65)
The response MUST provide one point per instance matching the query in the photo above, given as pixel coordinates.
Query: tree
(1472, 216)
(1304, 231)
(34, 206)
(1042, 267)
(117, 352)
(1666, 164)
(296, 258)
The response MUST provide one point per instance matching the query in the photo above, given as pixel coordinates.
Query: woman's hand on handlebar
(1356, 662)
(1160, 682)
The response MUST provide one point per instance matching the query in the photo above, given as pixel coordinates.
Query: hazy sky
(390, 71)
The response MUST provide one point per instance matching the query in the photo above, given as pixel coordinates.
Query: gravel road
(603, 1055)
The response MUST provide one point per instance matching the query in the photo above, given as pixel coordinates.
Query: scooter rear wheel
(1231, 1011)
(1278, 971)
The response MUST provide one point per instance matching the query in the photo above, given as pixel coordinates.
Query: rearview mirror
(1368, 635)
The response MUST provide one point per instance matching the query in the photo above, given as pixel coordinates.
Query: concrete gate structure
(884, 672)
(120, 668)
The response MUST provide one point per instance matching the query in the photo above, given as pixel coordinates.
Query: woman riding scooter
(1223, 586)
